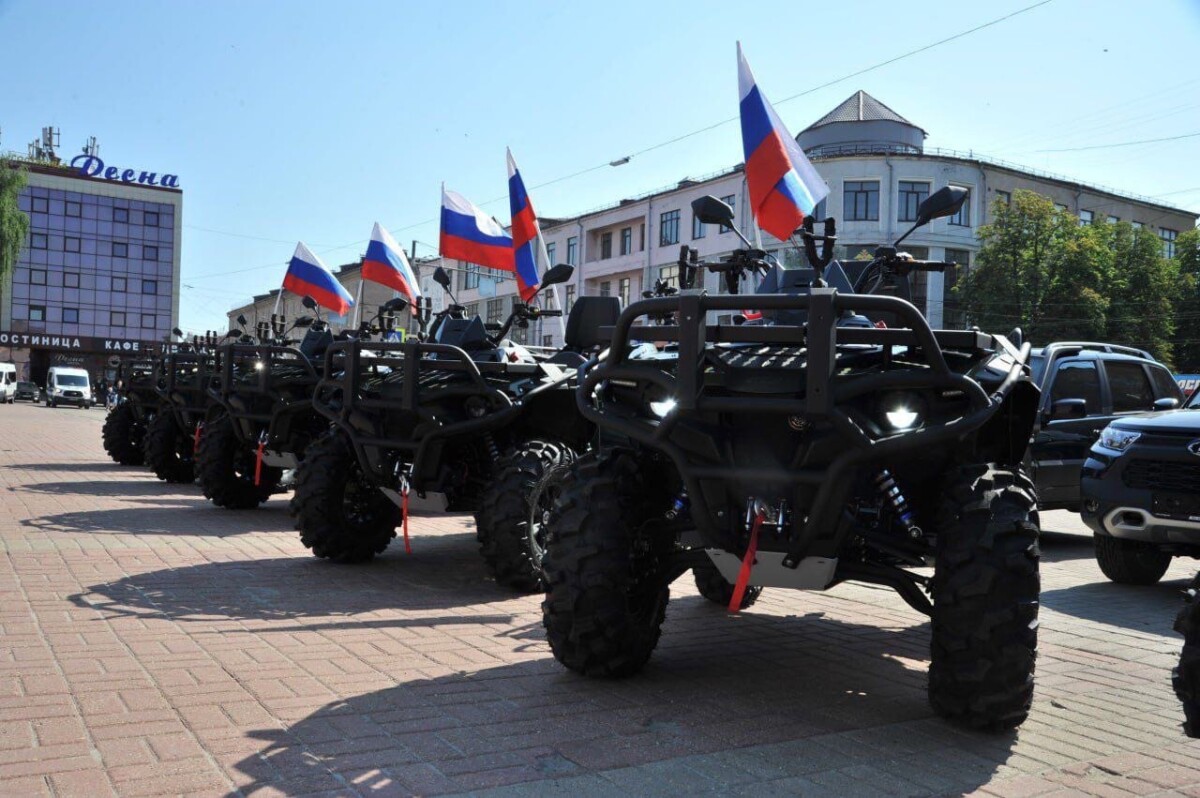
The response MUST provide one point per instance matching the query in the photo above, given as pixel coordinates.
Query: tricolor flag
(525, 233)
(307, 276)
(471, 235)
(783, 185)
(386, 263)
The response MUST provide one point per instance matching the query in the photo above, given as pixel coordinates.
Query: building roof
(861, 107)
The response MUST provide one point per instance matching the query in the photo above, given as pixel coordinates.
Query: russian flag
(385, 263)
(307, 276)
(471, 235)
(525, 233)
(783, 185)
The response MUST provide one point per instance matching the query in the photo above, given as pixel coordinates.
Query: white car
(8, 383)
(68, 386)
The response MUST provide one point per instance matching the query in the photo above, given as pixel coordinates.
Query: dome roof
(860, 125)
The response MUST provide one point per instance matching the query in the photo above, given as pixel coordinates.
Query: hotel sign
(92, 166)
(74, 343)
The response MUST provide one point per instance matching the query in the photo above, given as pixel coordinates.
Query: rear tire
(168, 450)
(1130, 562)
(123, 435)
(985, 599)
(502, 523)
(606, 599)
(340, 515)
(225, 468)
(1186, 676)
(714, 587)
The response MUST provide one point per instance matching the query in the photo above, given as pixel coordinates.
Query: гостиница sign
(92, 166)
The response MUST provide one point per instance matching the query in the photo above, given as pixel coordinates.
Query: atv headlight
(663, 408)
(1118, 439)
(901, 411)
(902, 417)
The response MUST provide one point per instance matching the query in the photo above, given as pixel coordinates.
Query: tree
(1143, 290)
(1187, 303)
(14, 223)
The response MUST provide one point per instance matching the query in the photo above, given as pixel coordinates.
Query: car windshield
(26, 386)
(1194, 402)
(74, 380)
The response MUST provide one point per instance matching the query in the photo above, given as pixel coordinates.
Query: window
(912, 194)
(1004, 197)
(149, 286)
(37, 312)
(1086, 217)
(1060, 206)
(116, 318)
(642, 237)
(1168, 238)
(623, 290)
(70, 279)
(1113, 219)
(626, 240)
(121, 215)
(1137, 225)
(471, 310)
(669, 274)
(570, 298)
(572, 250)
(606, 288)
(40, 205)
(38, 241)
(963, 217)
(820, 211)
(118, 284)
(147, 321)
(698, 227)
(150, 218)
(120, 250)
(149, 253)
(74, 209)
(70, 244)
(37, 277)
(860, 200)
(1077, 380)
(1130, 387)
(70, 315)
(550, 253)
(495, 310)
(952, 314)
(605, 246)
(731, 201)
(668, 228)
(1164, 384)
(470, 275)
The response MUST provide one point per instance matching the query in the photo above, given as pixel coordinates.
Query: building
(878, 170)
(99, 274)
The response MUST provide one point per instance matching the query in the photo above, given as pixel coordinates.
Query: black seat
(588, 315)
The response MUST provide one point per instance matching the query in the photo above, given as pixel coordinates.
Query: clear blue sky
(310, 121)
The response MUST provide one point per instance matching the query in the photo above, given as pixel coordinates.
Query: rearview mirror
(1066, 409)
(441, 277)
(946, 201)
(1166, 403)
(392, 305)
(241, 320)
(558, 274)
(232, 334)
(711, 210)
(309, 303)
(178, 332)
(304, 321)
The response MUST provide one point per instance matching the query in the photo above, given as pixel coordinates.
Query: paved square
(153, 644)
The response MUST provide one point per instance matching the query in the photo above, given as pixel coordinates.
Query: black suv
(1141, 493)
(1084, 387)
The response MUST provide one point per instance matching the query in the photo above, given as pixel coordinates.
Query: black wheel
(542, 504)
(1186, 676)
(714, 587)
(168, 450)
(1131, 562)
(606, 596)
(225, 468)
(123, 435)
(340, 514)
(985, 599)
(502, 521)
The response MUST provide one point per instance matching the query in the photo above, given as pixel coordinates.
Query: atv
(181, 380)
(460, 412)
(818, 445)
(124, 430)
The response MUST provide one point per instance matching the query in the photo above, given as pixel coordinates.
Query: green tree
(1187, 303)
(1143, 290)
(14, 223)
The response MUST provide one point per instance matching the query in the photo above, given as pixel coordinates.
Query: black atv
(463, 413)
(815, 447)
(182, 380)
(124, 430)
(1186, 676)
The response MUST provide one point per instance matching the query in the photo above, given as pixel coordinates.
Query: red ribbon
(258, 461)
(404, 523)
(196, 436)
(739, 588)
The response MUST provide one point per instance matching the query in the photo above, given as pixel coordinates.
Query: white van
(8, 383)
(68, 386)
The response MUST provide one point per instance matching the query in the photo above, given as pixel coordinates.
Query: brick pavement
(152, 644)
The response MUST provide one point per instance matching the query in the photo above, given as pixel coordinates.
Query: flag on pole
(308, 276)
(783, 185)
(471, 235)
(525, 233)
(386, 263)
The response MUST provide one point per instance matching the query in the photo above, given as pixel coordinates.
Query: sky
(311, 121)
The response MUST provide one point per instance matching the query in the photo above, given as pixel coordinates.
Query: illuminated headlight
(258, 365)
(902, 417)
(663, 408)
(1118, 439)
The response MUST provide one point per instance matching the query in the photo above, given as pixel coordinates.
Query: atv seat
(567, 358)
(588, 315)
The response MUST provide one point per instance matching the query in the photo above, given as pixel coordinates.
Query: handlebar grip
(931, 265)
(550, 313)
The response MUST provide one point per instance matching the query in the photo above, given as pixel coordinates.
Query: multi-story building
(878, 171)
(99, 274)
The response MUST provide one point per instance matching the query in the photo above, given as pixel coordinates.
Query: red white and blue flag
(527, 237)
(783, 185)
(470, 235)
(386, 263)
(308, 276)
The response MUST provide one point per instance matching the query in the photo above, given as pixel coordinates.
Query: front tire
(502, 523)
(1186, 676)
(122, 435)
(985, 599)
(225, 468)
(606, 598)
(168, 450)
(1131, 562)
(340, 515)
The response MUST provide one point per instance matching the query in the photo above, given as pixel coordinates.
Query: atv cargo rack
(262, 387)
(821, 396)
(182, 381)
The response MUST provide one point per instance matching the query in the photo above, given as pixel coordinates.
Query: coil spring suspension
(493, 449)
(891, 493)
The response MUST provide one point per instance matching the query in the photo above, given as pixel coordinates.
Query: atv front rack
(261, 386)
(821, 399)
(182, 383)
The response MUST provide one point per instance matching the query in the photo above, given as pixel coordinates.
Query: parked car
(8, 383)
(1085, 386)
(68, 386)
(1141, 493)
(28, 390)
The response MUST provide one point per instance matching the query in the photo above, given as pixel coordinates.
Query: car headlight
(1118, 439)
(663, 408)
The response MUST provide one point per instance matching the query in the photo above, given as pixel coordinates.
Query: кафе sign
(74, 343)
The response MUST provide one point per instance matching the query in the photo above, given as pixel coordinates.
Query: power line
(1123, 143)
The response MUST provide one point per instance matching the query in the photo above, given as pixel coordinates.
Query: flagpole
(278, 297)
(562, 321)
(358, 300)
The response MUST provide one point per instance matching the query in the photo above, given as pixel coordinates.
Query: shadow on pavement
(170, 515)
(1063, 547)
(1146, 608)
(150, 486)
(726, 703)
(78, 465)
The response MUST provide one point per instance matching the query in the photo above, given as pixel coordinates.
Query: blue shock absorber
(891, 493)
(679, 506)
